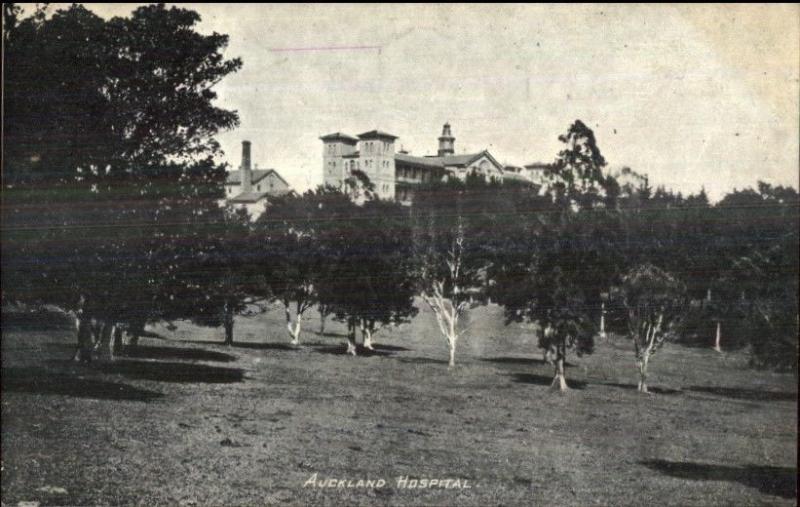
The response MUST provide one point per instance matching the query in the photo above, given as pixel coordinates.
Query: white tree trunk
(351, 339)
(642, 365)
(452, 338)
(602, 321)
(452, 349)
(717, 346)
(447, 317)
(559, 380)
(367, 335)
(293, 327)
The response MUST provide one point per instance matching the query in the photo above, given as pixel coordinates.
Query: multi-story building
(250, 188)
(396, 174)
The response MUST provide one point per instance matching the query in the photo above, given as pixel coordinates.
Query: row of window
(366, 146)
(413, 173)
(370, 146)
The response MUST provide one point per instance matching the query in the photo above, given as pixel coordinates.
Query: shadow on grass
(42, 381)
(778, 481)
(745, 394)
(266, 346)
(542, 380)
(521, 360)
(339, 350)
(147, 352)
(653, 389)
(171, 372)
(35, 320)
(422, 360)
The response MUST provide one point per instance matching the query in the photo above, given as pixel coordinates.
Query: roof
(249, 197)
(446, 161)
(376, 134)
(538, 165)
(235, 177)
(355, 154)
(338, 136)
(418, 161)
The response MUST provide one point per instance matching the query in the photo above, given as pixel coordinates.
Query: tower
(335, 147)
(376, 156)
(446, 142)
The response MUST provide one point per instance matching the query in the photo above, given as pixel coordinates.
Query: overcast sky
(691, 95)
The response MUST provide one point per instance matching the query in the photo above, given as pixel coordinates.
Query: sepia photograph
(400, 254)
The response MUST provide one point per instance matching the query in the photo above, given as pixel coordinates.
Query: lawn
(185, 420)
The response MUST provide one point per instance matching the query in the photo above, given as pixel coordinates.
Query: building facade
(397, 174)
(250, 188)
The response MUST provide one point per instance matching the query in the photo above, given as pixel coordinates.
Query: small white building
(250, 189)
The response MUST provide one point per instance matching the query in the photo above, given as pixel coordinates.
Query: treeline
(112, 210)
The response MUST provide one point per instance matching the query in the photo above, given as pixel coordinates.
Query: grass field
(188, 421)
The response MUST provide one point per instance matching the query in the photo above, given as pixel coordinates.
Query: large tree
(368, 283)
(563, 256)
(112, 126)
(291, 230)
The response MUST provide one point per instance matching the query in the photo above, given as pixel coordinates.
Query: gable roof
(235, 177)
(448, 160)
(338, 136)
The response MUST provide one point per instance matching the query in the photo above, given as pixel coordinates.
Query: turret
(446, 142)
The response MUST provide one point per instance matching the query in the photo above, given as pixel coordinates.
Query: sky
(695, 96)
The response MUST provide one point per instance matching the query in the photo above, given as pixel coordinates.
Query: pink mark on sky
(325, 48)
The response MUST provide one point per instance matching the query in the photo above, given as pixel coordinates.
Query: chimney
(245, 174)
(446, 142)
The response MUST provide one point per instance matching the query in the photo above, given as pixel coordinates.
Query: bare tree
(654, 302)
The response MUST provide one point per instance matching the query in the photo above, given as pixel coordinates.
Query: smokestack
(246, 175)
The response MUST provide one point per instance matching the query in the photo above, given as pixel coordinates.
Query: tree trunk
(559, 380)
(642, 365)
(107, 332)
(293, 327)
(84, 352)
(116, 344)
(367, 338)
(602, 321)
(452, 337)
(228, 323)
(351, 337)
(718, 336)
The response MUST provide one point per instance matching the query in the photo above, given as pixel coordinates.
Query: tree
(449, 249)
(654, 302)
(757, 280)
(113, 127)
(369, 281)
(576, 178)
(565, 252)
(290, 229)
